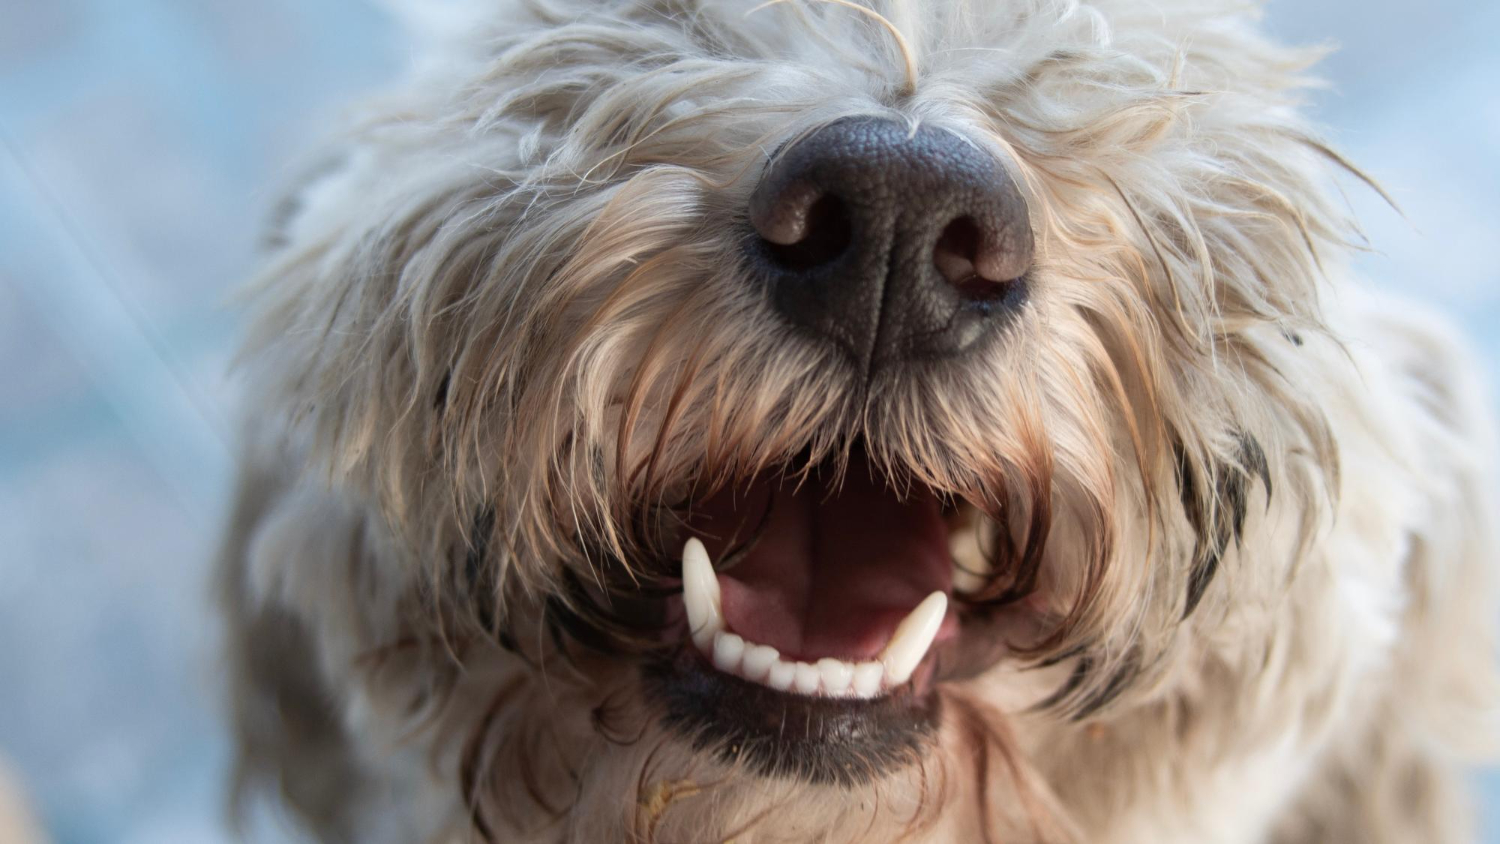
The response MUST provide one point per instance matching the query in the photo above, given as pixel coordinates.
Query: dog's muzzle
(818, 613)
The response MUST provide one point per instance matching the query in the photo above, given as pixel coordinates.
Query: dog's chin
(818, 740)
(817, 646)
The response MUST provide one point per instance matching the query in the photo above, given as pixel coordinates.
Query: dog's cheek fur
(482, 339)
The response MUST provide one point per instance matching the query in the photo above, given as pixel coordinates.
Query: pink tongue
(835, 570)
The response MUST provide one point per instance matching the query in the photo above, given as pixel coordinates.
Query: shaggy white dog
(688, 420)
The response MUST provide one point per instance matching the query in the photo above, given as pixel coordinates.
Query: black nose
(896, 245)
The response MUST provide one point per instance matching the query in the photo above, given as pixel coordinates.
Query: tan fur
(510, 322)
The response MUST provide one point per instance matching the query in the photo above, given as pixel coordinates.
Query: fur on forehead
(526, 278)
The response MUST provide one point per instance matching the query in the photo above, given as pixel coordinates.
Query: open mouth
(816, 611)
(842, 593)
(828, 676)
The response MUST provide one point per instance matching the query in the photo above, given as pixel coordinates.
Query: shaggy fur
(1224, 513)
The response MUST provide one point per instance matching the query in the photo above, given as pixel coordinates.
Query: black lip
(773, 734)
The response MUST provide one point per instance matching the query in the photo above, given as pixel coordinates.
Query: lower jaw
(818, 740)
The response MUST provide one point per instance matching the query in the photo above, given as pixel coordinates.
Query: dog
(700, 421)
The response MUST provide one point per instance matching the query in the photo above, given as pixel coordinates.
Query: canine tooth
(970, 566)
(837, 675)
(781, 676)
(758, 662)
(807, 678)
(700, 594)
(913, 637)
(728, 648)
(867, 677)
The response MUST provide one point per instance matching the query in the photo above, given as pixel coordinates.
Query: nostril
(825, 232)
(958, 259)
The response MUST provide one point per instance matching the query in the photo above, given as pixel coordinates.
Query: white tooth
(781, 675)
(970, 566)
(807, 678)
(913, 637)
(728, 648)
(837, 675)
(867, 676)
(758, 662)
(700, 594)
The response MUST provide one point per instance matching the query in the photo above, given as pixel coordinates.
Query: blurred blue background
(140, 147)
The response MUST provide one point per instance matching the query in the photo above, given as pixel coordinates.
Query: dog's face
(825, 389)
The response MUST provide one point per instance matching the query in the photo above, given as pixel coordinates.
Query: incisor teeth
(837, 675)
(758, 662)
(807, 678)
(867, 677)
(781, 676)
(728, 648)
(700, 594)
(912, 638)
(763, 664)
